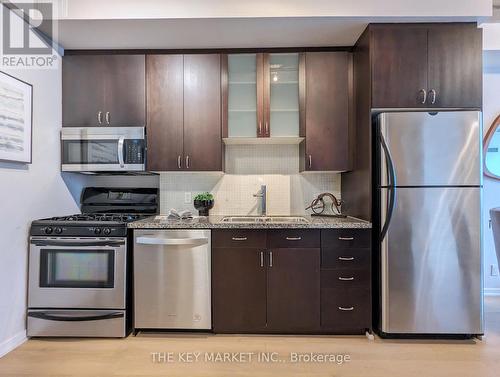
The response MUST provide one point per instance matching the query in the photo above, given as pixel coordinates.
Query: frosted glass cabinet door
(283, 117)
(242, 95)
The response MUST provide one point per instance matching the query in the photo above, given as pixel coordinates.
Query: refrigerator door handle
(391, 191)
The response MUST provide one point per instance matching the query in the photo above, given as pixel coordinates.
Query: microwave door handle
(67, 318)
(121, 142)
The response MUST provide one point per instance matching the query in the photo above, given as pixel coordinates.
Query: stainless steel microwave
(103, 149)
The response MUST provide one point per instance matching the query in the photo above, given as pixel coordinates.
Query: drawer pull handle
(346, 238)
(351, 308)
(239, 238)
(346, 279)
(346, 258)
(293, 238)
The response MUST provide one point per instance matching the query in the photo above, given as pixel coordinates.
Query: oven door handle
(52, 317)
(78, 243)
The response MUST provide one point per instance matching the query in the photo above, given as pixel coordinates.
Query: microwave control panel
(134, 151)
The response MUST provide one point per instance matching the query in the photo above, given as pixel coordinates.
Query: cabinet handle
(179, 162)
(270, 259)
(108, 117)
(346, 258)
(267, 128)
(351, 308)
(293, 238)
(346, 279)
(239, 238)
(310, 161)
(424, 97)
(260, 128)
(261, 259)
(99, 117)
(187, 162)
(346, 238)
(432, 92)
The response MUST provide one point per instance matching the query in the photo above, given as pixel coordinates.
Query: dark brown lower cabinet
(345, 310)
(293, 290)
(281, 281)
(239, 290)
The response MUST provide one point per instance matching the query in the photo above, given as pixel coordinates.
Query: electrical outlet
(493, 270)
(187, 197)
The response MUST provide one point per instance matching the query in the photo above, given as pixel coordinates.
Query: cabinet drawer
(346, 238)
(345, 278)
(345, 311)
(239, 238)
(345, 258)
(294, 238)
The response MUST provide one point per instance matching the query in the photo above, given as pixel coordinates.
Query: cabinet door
(165, 112)
(202, 112)
(281, 95)
(239, 290)
(327, 111)
(455, 66)
(293, 297)
(125, 90)
(82, 90)
(244, 95)
(399, 66)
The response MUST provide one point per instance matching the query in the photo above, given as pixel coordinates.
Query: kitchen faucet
(262, 194)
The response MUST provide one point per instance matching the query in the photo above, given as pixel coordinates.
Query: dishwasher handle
(195, 241)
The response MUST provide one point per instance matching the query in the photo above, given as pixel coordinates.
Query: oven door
(77, 273)
(93, 149)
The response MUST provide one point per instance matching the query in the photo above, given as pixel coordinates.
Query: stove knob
(97, 231)
(48, 230)
(58, 230)
(107, 231)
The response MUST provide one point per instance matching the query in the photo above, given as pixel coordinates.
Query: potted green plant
(203, 203)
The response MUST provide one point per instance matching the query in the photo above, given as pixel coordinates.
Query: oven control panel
(108, 230)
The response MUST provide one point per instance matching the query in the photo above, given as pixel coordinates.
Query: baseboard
(12, 343)
(492, 291)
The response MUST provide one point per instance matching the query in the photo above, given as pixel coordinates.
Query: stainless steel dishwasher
(172, 279)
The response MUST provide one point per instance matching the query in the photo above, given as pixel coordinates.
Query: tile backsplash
(247, 168)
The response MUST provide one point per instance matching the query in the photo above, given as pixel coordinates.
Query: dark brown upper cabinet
(103, 90)
(184, 112)
(328, 107)
(426, 66)
(261, 95)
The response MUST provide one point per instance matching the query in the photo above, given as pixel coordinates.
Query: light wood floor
(132, 356)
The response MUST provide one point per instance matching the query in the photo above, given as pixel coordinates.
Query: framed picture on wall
(16, 119)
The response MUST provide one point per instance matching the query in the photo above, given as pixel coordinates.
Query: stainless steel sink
(265, 219)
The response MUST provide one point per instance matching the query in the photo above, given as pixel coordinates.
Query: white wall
(28, 192)
(491, 190)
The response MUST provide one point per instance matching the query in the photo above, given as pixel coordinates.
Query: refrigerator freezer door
(433, 150)
(431, 276)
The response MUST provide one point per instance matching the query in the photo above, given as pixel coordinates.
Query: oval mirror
(492, 150)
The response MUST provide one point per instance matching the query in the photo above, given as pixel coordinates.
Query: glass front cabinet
(263, 95)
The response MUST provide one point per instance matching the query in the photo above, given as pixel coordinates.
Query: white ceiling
(216, 33)
(180, 24)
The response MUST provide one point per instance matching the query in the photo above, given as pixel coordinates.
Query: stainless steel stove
(78, 265)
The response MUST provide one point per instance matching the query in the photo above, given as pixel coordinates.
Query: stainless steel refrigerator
(429, 191)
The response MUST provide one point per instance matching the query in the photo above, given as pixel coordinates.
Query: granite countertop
(215, 222)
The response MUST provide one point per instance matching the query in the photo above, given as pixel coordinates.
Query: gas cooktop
(106, 212)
